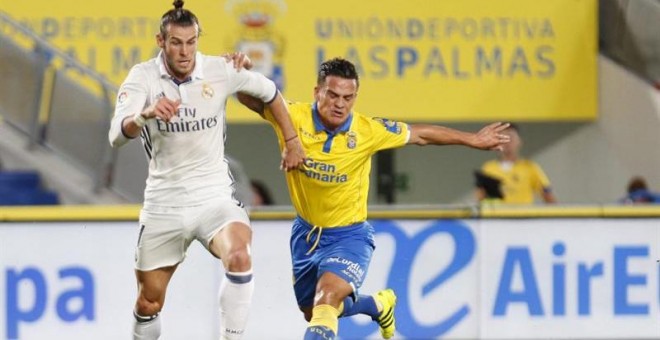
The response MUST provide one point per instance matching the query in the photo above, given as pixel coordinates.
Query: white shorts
(166, 232)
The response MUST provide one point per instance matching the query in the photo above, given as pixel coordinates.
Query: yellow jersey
(520, 181)
(331, 188)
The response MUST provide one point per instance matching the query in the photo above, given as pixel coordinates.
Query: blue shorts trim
(345, 251)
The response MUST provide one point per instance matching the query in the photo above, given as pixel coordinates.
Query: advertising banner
(570, 279)
(455, 279)
(457, 60)
(76, 280)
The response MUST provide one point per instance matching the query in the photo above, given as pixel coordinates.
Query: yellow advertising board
(419, 60)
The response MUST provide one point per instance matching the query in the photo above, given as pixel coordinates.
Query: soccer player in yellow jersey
(331, 241)
(520, 179)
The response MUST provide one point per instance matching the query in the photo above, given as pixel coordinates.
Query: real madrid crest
(207, 91)
(351, 141)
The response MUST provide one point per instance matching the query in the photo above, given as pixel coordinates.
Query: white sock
(146, 327)
(235, 298)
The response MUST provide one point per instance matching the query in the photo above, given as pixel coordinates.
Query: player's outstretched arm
(251, 103)
(293, 154)
(240, 62)
(489, 137)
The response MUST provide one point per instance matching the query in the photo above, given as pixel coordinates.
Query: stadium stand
(24, 188)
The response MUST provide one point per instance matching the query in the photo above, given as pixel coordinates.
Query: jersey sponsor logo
(182, 125)
(324, 172)
(187, 112)
(390, 125)
(309, 135)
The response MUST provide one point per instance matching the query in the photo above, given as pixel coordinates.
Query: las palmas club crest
(257, 37)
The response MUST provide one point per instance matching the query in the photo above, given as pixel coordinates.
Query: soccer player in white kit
(176, 104)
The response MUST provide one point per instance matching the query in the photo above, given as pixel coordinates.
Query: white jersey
(187, 164)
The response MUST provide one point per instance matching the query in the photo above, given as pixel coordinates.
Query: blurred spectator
(260, 194)
(511, 178)
(639, 193)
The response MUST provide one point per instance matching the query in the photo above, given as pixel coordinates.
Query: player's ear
(317, 89)
(160, 40)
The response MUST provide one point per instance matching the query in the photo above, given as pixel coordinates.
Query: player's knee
(238, 260)
(146, 307)
(327, 295)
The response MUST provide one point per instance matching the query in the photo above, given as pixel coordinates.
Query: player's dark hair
(178, 16)
(337, 67)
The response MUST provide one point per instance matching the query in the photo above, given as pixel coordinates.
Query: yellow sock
(325, 315)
